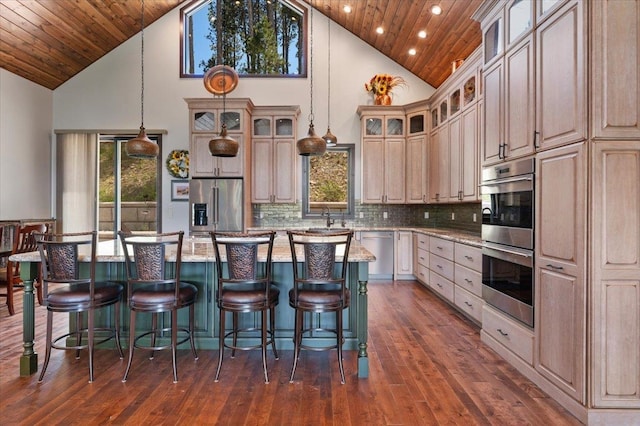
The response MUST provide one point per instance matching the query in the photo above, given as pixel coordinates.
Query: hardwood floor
(427, 367)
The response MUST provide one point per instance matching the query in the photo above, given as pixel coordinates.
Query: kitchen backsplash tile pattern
(450, 216)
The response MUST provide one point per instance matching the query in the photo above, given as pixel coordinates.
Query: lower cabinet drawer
(441, 285)
(423, 274)
(442, 266)
(469, 279)
(468, 303)
(423, 257)
(515, 337)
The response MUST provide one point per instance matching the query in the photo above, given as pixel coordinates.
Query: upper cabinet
(535, 91)
(273, 148)
(383, 154)
(615, 65)
(453, 145)
(206, 117)
(519, 20)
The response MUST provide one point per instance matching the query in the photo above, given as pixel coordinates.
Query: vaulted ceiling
(50, 41)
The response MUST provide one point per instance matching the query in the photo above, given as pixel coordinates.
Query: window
(216, 32)
(328, 182)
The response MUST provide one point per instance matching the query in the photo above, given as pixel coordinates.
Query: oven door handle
(508, 180)
(523, 253)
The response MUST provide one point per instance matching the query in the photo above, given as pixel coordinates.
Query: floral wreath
(178, 163)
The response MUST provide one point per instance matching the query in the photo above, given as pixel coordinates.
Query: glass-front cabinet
(206, 117)
(519, 20)
(493, 38)
(204, 121)
(469, 90)
(384, 126)
(273, 148)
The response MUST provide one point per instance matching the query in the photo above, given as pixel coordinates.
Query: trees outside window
(255, 37)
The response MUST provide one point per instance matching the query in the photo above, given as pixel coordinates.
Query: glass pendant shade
(312, 144)
(224, 145)
(141, 146)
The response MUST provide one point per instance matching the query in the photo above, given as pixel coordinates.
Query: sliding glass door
(128, 189)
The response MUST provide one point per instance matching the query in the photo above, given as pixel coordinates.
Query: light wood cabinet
(416, 169)
(535, 93)
(453, 145)
(615, 295)
(509, 105)
(560, 272)
(403, 249)
(507, 332)
(203, 164)
(383, 155)
(468, 280)
(439, 163)
(421, 257)
(274, 168)
(206, 117)
(561, 89)
(463, 156)
(615, 84)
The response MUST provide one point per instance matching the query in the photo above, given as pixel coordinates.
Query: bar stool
(245, 286)
(319, 286)
(154, 286)
(67, 288)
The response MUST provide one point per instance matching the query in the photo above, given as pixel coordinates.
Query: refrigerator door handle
(216, 200)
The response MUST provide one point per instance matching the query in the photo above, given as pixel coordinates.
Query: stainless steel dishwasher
(380, 243)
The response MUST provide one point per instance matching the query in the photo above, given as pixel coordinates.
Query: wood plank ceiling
(50, 41)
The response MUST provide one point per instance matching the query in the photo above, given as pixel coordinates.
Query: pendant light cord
(329, 73)
(142, 69)
(311, 65)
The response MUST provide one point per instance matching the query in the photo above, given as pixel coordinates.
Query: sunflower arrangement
(178, 163)
(381, 84)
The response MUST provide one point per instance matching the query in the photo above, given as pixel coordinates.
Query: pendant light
(224, 145)
(141, 146)
(329, 137)
(312, 144)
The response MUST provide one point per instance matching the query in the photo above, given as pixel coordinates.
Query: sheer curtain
(76, 184)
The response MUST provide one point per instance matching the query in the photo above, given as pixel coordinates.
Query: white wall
(26, 120)
(107, 94)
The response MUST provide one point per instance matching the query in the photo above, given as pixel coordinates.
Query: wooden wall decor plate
(220, 80)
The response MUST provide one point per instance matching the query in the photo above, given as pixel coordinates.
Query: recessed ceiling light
(412, 52)
(347, 8)
(380, 30)
(436, 9)
(422, 34)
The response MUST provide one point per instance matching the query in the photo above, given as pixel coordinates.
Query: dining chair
(244, 286)
(23, 242)
(69, 286)
(152, 264)
(320, 261)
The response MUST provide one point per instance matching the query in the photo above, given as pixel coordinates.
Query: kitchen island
(198, 268)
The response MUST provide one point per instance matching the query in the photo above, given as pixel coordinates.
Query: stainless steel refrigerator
(215, 205)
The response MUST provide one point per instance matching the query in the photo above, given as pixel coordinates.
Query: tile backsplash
(458, 216)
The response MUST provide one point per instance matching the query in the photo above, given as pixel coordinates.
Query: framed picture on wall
(179, 190)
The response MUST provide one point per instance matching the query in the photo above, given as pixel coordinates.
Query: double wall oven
(508, 236)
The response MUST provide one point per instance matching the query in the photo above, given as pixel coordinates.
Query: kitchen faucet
(328, 214)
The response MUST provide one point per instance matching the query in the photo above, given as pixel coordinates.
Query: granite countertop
(458, 236)
(201, 250)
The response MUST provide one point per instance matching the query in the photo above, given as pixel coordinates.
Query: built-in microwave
(507, 192)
